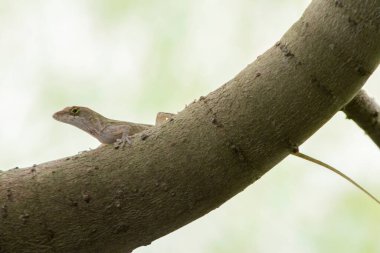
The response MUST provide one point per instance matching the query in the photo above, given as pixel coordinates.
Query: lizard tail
(311, 159)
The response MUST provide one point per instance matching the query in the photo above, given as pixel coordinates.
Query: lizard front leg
(120, 143)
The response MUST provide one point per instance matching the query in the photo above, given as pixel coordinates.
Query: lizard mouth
(57, 115)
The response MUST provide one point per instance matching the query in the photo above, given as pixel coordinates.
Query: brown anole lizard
(109, 131)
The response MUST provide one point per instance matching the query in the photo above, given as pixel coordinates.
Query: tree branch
(109, 200)
(366, 113)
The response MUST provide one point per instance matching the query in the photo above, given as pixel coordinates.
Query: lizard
(109, 131)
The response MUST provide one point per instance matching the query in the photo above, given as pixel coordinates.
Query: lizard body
(109, 131)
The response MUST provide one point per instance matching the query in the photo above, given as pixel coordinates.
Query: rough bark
(366, 114)
(110, 200)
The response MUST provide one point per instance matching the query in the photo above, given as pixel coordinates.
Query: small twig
(366, 113)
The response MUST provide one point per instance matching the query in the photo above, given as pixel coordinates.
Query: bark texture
(366, 113)
(110, 200)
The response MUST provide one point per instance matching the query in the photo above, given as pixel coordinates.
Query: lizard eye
(74, 111)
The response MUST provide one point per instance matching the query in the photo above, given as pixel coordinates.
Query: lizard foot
(120, 143)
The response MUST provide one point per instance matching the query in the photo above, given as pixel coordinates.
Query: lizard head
(78, 116)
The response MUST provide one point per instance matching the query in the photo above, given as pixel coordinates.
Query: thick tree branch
(366, 113)
(110, 200)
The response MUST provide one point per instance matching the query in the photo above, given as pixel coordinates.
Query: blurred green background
(131, 59)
